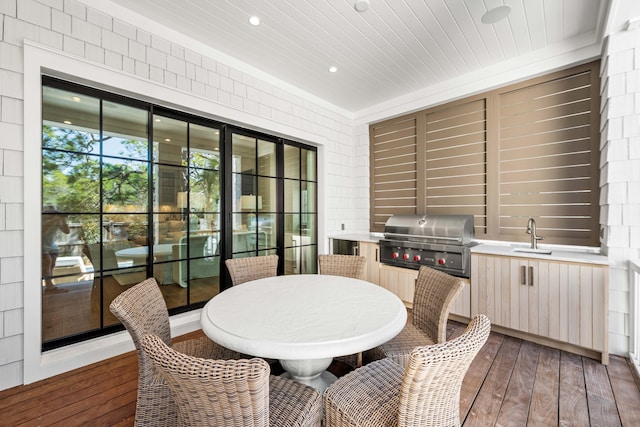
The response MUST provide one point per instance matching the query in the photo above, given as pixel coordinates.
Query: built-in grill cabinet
(442, 242)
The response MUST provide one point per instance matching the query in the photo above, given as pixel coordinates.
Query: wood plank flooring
(510, 383)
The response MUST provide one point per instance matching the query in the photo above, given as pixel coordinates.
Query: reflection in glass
(265, 230)
(204, 175)
(291, 226)
(124, 131)
(70, 121)
(291, 196)
(204, 146)
(169, 140)
(244, 239)
(97, 163)
(291, 162)
(168, 228)
(124, 185)
(291, 261)
(204, 282)
(308, 197)
(70, 181)
(244, 154)
(267, 192)
(168, 183)
(308, 259)
(130, 229)
(308, 165)
(300, 259)
(308, 228)
(266, 158)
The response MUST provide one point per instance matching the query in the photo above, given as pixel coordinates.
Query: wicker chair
(251, 268)
(346, 266)
(229, 393)
(342, 265)
(142, 310)
(426, 393)
(434, 294)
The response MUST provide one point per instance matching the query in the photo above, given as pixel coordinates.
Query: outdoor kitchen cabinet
(556, 303)
(402, 282)
(371, 251)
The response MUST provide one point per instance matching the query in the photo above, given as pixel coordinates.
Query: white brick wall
(68, 26)
(620, 179)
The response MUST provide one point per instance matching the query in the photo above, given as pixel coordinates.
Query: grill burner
(442, 242)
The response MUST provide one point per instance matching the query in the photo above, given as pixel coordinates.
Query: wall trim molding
(40, 60)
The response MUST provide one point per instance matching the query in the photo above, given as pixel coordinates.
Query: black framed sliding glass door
(132, 190)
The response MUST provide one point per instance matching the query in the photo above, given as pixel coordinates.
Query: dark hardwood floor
(510, 383)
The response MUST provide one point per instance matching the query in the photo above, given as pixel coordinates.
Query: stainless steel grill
(442, 242)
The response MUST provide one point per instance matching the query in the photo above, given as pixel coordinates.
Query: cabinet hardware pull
(523, 275)
(377, 250)
(530, 276)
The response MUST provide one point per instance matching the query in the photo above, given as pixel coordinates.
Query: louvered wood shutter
(454, 150)
(548, 158)
(393, 188)
(529, 149)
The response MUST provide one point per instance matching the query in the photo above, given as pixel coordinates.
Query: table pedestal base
(311, 372)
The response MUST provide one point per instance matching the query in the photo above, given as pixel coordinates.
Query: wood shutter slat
(528, 149)
(393, 183)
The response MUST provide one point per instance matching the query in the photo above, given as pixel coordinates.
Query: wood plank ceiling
(394, 48)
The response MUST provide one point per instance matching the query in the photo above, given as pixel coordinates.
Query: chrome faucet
(531, 229)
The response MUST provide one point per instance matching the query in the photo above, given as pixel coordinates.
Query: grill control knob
(395, 255)
(441, 261)
(416, 258)
(405, 256)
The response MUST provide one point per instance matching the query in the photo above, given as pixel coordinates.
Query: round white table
(139, 254)
(304, 321)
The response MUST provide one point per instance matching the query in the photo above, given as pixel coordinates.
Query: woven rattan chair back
(224, 393)
(347, 266)
(252, 268)
(430, 390)
(434, 294)
(342, 265)
(142, 310)
(424, 394)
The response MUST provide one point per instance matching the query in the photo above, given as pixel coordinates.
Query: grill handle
(413, 236)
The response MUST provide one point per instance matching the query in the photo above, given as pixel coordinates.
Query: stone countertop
(558, 253)
(359, 237)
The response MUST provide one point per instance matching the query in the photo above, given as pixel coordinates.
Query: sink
(533, 251)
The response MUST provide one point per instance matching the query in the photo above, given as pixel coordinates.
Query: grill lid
(450, 229)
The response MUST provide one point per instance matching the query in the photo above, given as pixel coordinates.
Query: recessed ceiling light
(496, 14)
(361, 5)
(67, 122)
(167, 140)
(75, 98)
(254, 20)
(333, 69)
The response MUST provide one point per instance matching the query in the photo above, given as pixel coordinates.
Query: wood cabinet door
(372, 252)
(491, 281)
(461, 306)
(400, 281)
(567, 302)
